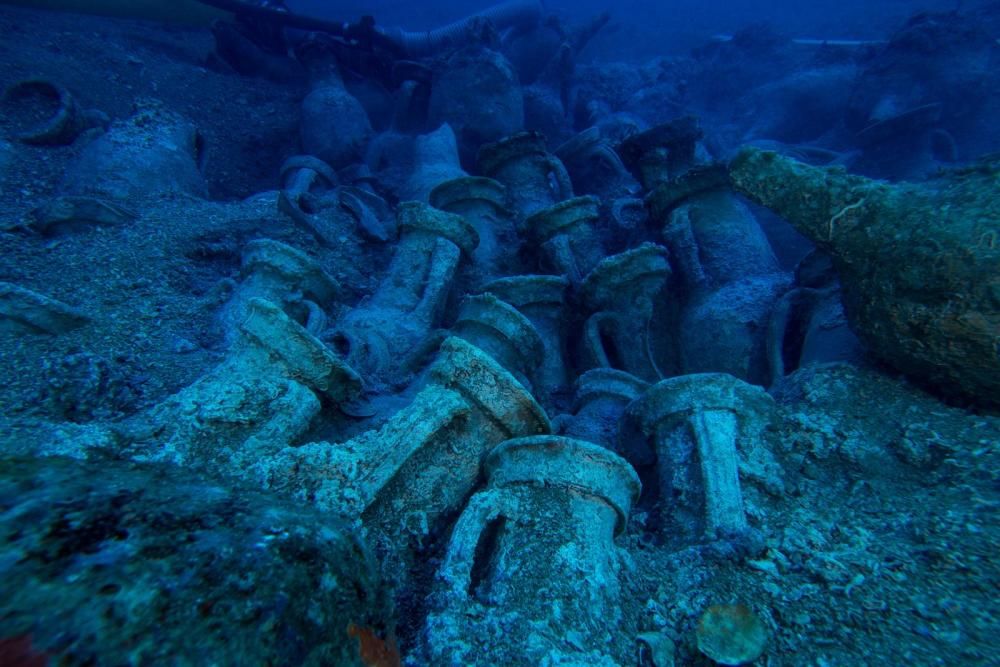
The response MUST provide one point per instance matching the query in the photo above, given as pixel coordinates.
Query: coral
(18, 652)
(114, 563)
(374, 651)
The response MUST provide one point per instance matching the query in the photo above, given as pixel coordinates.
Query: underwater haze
(638, 334)
(647, 28)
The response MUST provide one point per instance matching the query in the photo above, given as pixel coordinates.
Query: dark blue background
(648, 27)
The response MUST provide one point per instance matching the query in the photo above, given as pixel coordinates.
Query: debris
(731, 634)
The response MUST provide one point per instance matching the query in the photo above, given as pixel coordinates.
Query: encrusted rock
(111, 562)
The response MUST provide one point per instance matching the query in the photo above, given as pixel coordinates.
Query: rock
(112, 563)
(84, 386)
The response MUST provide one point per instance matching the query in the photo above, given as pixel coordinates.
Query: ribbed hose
(407, 44)
(278, 17)
(519, 13)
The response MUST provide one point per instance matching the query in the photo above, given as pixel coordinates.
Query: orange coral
(18, 652)
(375, 651)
